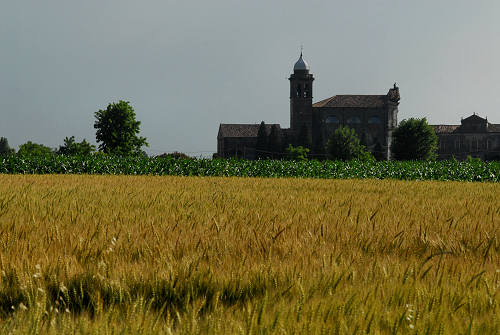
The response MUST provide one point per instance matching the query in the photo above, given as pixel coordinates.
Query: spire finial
(301, 49)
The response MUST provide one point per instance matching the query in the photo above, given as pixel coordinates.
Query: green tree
(5, 149)
(297, 153)
(33, 149)
(414, 139)
(71, 147)
(117, 130)
(345, 145)
(274, 141)
(261, 145)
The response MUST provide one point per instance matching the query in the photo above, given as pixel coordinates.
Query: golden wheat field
(127, 254)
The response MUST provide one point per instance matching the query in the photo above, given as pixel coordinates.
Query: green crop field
(165, 254)
(472, 170)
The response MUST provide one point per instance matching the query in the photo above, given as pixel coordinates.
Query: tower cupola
(301, 65)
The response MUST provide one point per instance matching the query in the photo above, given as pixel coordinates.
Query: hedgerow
(471, 170)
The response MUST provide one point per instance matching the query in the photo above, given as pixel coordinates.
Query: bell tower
(301, 97)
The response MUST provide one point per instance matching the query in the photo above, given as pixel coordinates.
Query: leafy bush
(34, 149)
(71, 147)
(175, 155)
(297, 153)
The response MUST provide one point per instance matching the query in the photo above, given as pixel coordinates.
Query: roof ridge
(353, 100)
(361, 95)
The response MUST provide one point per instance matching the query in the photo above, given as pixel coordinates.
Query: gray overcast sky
(187, 66)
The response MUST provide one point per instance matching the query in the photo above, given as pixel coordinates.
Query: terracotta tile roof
(366, 101)
(242, 130)
(444, 128)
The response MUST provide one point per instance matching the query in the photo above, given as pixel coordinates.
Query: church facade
(373, 117)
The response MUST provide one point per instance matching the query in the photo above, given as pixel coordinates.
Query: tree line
(117, 132)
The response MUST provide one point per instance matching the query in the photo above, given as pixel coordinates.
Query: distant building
(239, 140)
(373, 117)
(474, 137)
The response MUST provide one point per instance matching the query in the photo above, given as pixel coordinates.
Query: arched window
(354, 120)
(332, 119)
(374, 120)
(298, 91)
(306, 90)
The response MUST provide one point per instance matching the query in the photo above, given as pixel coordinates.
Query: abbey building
(373, 117)
(474, 137)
